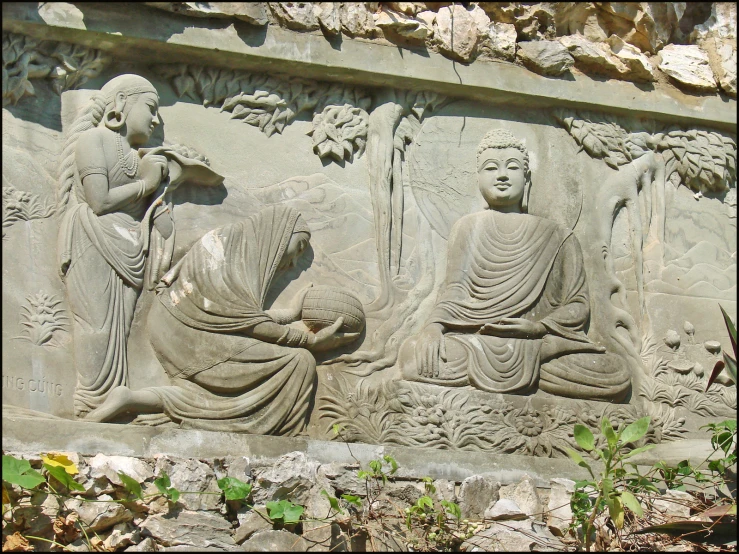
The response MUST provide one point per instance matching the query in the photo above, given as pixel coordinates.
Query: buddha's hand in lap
(430, 350)
(330, 337)
(514, 327)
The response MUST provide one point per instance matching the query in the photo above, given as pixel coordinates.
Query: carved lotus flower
(339, 132)
(529, 424)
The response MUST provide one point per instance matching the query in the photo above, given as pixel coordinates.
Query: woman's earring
(114, 120)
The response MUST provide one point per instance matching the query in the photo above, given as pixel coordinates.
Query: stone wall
(357, 145)
(689, 45)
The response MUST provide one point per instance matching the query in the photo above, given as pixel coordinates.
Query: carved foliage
(22, 206)
(339, 132)
(67, 65)
(41, 317)
(270, 103)
(415, 415)
(703, 160)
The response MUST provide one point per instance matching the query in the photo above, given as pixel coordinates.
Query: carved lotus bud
(672, 339)
(713, 346)
(699, 370)
(689, 329)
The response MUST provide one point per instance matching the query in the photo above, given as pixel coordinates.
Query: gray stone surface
(545, 56)
(477, 494)
(688, 65)
(559, 509)
(504, 509)
(275, 541)
(387, 65)
(524, 495)
(193, 529)
(198, 199)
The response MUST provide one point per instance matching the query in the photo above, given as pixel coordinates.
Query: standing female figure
(106, 197)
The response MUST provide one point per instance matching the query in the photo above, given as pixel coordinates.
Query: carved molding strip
(67, 66)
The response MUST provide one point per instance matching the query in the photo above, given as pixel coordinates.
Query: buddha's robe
(509, 266)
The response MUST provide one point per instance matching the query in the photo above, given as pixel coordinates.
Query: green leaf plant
(610, 489)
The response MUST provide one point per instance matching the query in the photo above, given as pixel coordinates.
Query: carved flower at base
(529, 424)
(339, 132)
(544, 432)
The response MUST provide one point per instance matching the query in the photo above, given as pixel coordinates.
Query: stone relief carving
(117, 214)
(67, 66)
(515, 297)
(514, 311)
(270, 103)
(42, 316)
(23, 206)
(414, 414)
(234, 365)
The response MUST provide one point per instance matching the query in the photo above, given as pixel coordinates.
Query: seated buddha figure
(513, 311)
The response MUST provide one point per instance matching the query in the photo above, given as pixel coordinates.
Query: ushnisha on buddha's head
(503, 172)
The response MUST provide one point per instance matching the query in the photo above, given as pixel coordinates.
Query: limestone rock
(427, 17)
(524, 495)
(532, 20)
(721, 24)
(405, 493)
(356, 19)
(504, 509)
(460, 31)
(194, 529)
(559, 512)
(191, 476)
(503, 40)
(647, 25)
(408, 8)
(445, 490)
(688, 65)
(275, 541)
(122, 536)
(640, 68)
(99, 516)
(594, 56)
(722, 56)
(254, 13)
(146, 545)
(299, 16)
(239, 467)
(317, 507)
(343, 478)
(513, 536)
(547, 57)
(250, 522)
(396, 22)
(674, 504)
(292, 476)
(476, 494)
(328, 17)
(109, 466)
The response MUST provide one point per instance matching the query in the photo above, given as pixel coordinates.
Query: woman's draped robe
(223, 379)
(103, 263)
(514, 265)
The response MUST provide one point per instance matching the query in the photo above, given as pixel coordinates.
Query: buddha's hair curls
(500, 138)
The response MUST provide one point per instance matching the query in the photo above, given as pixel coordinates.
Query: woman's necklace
(130, 168)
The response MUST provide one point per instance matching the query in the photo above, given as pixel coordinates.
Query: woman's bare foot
(117, 402)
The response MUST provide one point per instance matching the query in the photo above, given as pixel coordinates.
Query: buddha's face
(142, 118)
(502, 178)
(295, 248)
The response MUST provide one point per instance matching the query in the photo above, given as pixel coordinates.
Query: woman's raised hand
(153, 169)
(330, 337)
